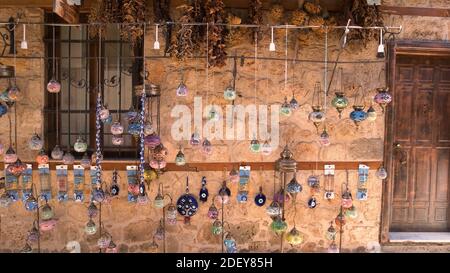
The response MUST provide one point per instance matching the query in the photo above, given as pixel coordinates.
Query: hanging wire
(325, 72)
(207, 62)
(286, 60)
(256, 67)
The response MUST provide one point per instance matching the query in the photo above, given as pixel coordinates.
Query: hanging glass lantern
(331, 232)
(317, 116)
(14, 93)
(117, 140)
(159, 200)
(42, 157)
(160, 232)
(10, 156)
(68, 158)
(195, 139)
(17, 168)
(160, 152)
(153, 248)
(85, 161)
(324, 138)
(278, 196)
(26, 249)
(171, 214)
(294, 237)
(260, 198)
(381, 173)
(358, 115)
(278, 225)
(46, 212)
(206, 147)
(182, 89)
(285, 108)
(180, 159)
(33, 234)
(333, 248)
(234, 175)
(104, 240)
(255, 146)
(31, 203)
(47, 225)
(351, 213)
(134, 128)
(92, 210)
(112, 248)
(293, 187)
(224, 193)
(217, 227)
(266, 148)
(213, 115)
(230, 244)
(313, 181)
(132, 114)
(104, 113)
(383, 97)
(152, 141)
(213, 212)
(371, 114)
(35, 143)
(274, 209)
(90, 227)
(5, 200)
(148, 128)
(293, 104)
(142, 198)
(80, 146)
(116, 128)
(3, 109)
(53, 86)
(340, 220)
(57, 153)
(158, 164)
(347, 200)
(149, 173)
(340, 102)
(229, 93)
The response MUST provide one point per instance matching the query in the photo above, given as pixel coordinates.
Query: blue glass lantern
(134, 129)
(3, 109)
(358, 115)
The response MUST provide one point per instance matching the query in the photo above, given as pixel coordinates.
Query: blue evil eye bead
(242, 196)
(115, 190)
(203, 191)
(78, 196)
(260, 199)
(312, 202)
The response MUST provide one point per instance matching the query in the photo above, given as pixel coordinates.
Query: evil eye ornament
(203, 195)
(99, 195)
(260, 198)
(242, 196)
(312, 202)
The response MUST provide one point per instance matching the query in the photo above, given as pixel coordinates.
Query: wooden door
(421, 138)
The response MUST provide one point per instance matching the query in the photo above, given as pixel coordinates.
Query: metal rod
(223, 231)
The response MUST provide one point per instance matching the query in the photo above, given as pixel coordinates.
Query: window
(71, 113)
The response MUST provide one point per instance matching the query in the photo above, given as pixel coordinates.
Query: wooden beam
(416, 11)
(221, 166)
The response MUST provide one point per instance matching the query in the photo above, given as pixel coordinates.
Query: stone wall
(132, 226)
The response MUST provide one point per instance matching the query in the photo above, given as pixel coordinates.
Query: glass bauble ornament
(80, 145)
(381, 173)
(10, 156)
(53, 86)
(351, 212)
(68, 158)
(278, 225)
(293, 187)
(14, 93)
(35, 143)
(195, 139)
(90, 227)
(285, 108)
(213, 212)
(294, 237)
(158, 164)
(217, 227)
(182, 90)
(255, 146)
(27, 248)
(57, 153)
(358, 115)
(266, 148)
(46, 212)
(85, 161)
(234, 175)
(117, 140)
(116, 128)
(180, 159)
(153, 248)
(160, 232)
(274, 209)
(159, 201)
(340, 102)
(229, 93)
(206, 147)
(42, 157)
(151, 141)
(383, 97)
(371, 114)
(230, 244)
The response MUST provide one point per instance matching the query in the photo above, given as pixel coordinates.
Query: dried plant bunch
(366, 16)
(183, 46)
(216, 15)
(299, 17)
(276, 13)
(133, 15)
(256, 16)
(312, 7)
(235, 34)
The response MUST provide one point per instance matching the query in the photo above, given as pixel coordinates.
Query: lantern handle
(170, 197)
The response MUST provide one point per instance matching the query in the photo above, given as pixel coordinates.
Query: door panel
(421, 164)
